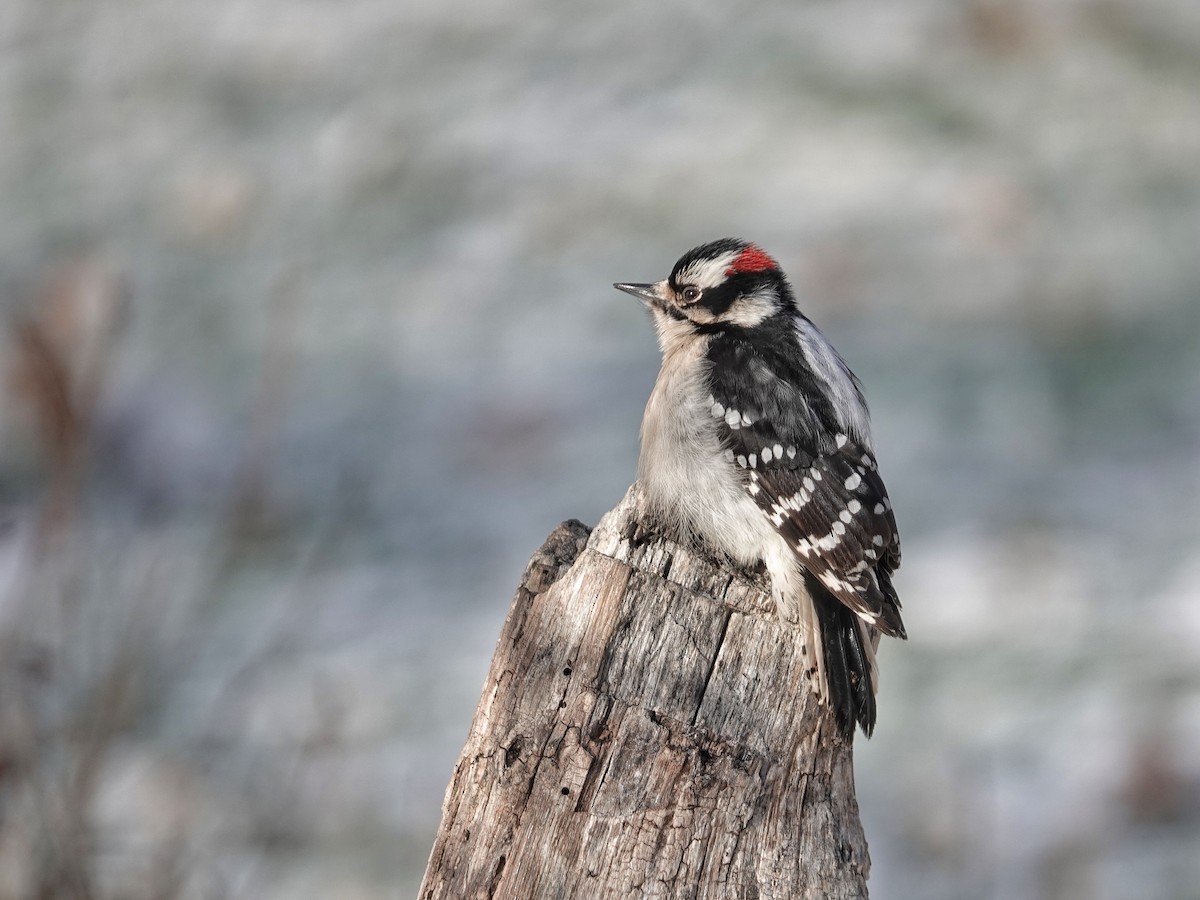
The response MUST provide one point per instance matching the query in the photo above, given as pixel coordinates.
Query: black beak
(647, 293)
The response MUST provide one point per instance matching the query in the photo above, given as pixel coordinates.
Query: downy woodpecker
(757, 441)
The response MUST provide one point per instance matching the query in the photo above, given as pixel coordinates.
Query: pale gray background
(407, 215)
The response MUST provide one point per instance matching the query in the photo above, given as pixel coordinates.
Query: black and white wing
(819, 486)
(820, 489)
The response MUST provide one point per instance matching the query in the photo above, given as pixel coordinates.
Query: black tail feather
(890, 614)
(846, 663)
(860, 675)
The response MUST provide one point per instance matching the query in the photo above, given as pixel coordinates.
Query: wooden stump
(646, 730)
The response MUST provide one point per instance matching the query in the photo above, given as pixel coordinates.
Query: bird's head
(726, 283)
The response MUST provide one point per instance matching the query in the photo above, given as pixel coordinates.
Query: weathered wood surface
(645, 731)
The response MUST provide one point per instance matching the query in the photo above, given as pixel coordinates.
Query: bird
(756, 443)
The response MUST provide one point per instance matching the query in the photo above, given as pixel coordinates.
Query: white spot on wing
(834, 583)
(853, 481)
(733, 418)
(766, 454)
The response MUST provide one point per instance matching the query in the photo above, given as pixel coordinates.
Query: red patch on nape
(752, 259)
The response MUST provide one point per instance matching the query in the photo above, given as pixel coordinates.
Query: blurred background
(308, 342)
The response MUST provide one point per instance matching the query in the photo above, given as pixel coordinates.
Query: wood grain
(646, 731)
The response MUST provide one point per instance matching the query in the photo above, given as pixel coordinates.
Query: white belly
(683, 470)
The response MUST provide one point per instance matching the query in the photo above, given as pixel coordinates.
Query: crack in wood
(728, 614)
(752, 800)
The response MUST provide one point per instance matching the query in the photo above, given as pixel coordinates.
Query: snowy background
(309, 342)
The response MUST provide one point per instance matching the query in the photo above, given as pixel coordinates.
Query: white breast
(682, 466)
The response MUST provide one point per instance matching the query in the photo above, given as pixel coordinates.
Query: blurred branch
(63, 348)
(249, 512)
(92, 647)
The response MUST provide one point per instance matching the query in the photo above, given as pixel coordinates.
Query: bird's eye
(691, 294)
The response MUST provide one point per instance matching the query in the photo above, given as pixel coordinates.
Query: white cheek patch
(752, 309)
(699, 314)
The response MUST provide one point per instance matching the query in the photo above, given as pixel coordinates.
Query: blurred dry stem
(99, 636)
(63, 345)
(249, 512)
